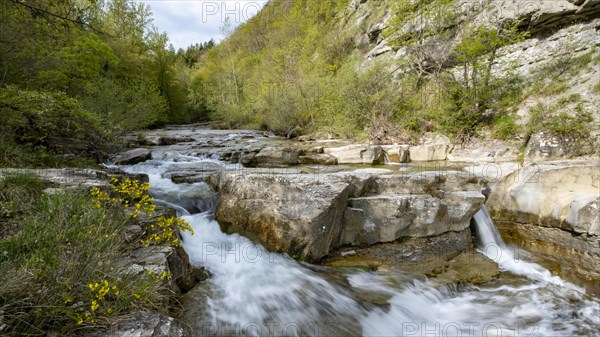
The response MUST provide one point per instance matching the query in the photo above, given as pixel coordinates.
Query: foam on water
(272, 294)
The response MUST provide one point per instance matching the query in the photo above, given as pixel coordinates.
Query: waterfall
(486, 231)
(254, 292)
(508, 258)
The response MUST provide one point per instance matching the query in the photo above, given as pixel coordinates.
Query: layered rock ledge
(311, 216)
(553, 211)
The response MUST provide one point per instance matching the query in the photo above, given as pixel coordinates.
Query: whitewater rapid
(258, 293)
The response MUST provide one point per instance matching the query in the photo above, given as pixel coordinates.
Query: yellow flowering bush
(129, 193)
(165, 230)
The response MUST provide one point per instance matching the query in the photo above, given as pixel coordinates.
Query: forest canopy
(93, 59)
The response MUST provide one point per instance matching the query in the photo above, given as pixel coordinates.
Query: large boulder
(132, 157)
(297, 214)
(357, 154)
(433, 147)
(309, 216)
(386, 218)
(272, 156)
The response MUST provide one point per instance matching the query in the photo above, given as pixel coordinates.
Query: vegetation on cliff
(313, 67)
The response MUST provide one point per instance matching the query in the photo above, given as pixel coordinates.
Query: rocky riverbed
(314, 198)
(350, 211)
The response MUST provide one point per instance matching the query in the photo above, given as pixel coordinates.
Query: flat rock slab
(144, 324)
(133, 157)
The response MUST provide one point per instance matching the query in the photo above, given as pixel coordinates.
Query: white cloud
(191, 21)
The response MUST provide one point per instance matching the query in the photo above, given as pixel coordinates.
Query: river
(257, 293)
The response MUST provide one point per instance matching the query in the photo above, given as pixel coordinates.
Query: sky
(192, 21)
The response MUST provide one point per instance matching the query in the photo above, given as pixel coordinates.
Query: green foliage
(47, 122)
(576, 127)
(505, 127)
(16, 192)
(298, 71)
(131, 105)
(103, 54)
(61, 269)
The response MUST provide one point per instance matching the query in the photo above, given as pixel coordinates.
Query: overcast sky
(191, 21)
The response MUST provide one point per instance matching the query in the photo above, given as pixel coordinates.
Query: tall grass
(63, 269)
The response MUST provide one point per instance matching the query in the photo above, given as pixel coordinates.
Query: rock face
(553, 211)
(386, 218)
(132, 157)
(546, 146)
(309, 216)
(144, 324)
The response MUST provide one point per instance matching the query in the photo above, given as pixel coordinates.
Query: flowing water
(257, 293)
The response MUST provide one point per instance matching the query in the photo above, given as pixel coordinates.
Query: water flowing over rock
(553, 211)
(396, 153)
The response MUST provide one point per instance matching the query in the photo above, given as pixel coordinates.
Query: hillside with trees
(392, 71)
(74, 74)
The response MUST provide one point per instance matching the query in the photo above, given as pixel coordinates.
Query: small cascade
(486, 230)
(508, 258)
(254, 292)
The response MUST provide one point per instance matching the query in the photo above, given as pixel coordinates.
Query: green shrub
(47, 129)
(63, 271)
(576, 127)
(505, 127)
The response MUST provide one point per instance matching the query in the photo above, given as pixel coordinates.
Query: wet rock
(195, 312)
(295, 214)
(183, 274)
(469, 267)
(357, 154)
(132, 157)
(144, 324)
(317, 159)
(446, 259)
(552, 211)
(396, 153)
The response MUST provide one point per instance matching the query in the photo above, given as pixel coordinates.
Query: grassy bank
(62, 258)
